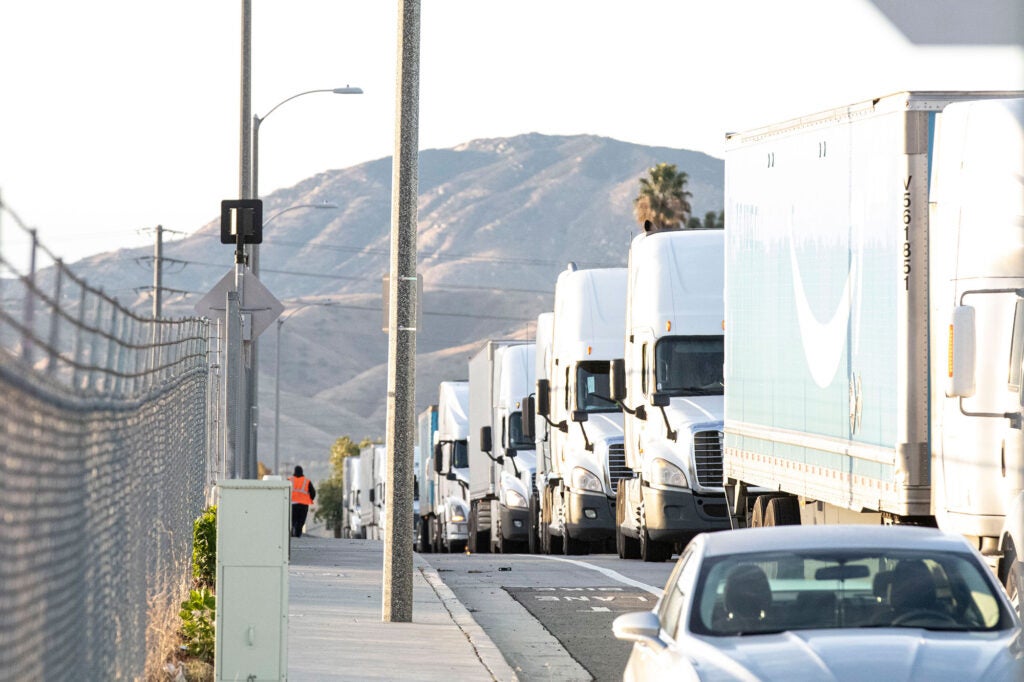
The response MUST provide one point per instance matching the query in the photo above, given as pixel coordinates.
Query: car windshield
(593, 388)
(689, 365)
(749, 594)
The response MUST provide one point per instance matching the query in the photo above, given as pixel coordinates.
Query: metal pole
(277, 399)
(247, 377)
(158, 259)
(401, 418)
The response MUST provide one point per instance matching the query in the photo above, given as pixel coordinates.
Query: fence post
(30, 301)
(51, 359)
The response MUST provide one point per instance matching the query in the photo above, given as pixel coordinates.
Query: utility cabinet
(252, 580)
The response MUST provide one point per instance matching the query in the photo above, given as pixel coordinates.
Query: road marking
(614, 575)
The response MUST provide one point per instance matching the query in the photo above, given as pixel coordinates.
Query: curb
(485, 649)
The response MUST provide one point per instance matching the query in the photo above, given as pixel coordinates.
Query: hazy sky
(117, 115)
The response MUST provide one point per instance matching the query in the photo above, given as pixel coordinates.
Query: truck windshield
(516, 439)
(689, 365)
(592, 387)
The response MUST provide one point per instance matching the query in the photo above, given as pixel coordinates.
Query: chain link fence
(103, 468)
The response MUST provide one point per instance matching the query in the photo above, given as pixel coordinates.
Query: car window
(675, 597)
(773, 592)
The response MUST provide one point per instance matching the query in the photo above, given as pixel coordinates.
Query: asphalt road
(551, 616)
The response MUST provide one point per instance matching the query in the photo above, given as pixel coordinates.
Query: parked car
(866, 603)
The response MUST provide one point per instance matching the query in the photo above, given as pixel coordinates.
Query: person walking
(303, 494)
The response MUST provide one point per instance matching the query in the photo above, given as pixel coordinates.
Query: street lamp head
(347, 90)
(327, 204)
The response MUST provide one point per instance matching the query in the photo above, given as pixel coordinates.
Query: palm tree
(663, 197)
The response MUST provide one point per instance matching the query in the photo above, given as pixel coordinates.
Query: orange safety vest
(300, 491)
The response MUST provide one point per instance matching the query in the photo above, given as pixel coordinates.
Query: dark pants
(299, 512)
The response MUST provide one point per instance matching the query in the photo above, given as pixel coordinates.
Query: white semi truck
(534, 426)
(451, 466)
(875, 318)
(501, 458)
(426, 425)
(372, 466)
(669, 384)
(577, 483)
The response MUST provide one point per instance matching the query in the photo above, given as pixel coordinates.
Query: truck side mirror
(659, 399)
(373, 495)
(529, 419)
(485, 439)
(617, 379)
(962, 353)
(438, 459)
(451, 476)
(579, 416)
(544, 397)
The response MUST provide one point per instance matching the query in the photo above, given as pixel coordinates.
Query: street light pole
(252, 187)
(277, 376)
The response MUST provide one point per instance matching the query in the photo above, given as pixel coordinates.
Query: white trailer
(577, 483)
(372, 470)
(501, 458)
(875, 318)
(669, 383)
(426, 425)
(351, 525)
(451, 466)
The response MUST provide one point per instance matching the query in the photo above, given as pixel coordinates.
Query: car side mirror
(544, 397)
(529, 419)
(640, 626)
(485, 439)
(617, 379)
(659, 399)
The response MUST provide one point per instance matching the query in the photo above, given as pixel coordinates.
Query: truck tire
(652, 550)
(782, 511)
(1014, 580)
(757, 510)
(472, 541)
(425, 547)
(572, 546)
(625, 546)
(533, 539)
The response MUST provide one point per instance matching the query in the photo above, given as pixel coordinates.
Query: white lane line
(614, 575)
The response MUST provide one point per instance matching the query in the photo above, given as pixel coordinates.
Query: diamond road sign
(259, 302)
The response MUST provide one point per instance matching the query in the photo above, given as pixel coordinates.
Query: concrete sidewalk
(335, 631)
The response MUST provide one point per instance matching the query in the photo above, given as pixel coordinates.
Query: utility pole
(158, 259)
(401, 417)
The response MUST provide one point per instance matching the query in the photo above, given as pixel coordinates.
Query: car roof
(768, 539)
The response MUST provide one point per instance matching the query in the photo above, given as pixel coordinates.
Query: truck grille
(617, 469)
(707, 458)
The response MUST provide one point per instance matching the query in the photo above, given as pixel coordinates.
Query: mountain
(498, 220)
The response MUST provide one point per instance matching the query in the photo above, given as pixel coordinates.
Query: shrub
(198, 616)
(204, 549)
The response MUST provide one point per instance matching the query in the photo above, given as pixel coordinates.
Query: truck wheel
(435, 536)
(626, 547)
(497, 539)
(533, 539)
(472, 540)
(424, 536)
(757, 517)
(572, 546)
(652, 550)
(1014, 582)
(782, 511)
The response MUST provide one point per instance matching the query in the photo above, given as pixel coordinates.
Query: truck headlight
(457, 516)
(667, 474)
(514, 499)
(586, 480)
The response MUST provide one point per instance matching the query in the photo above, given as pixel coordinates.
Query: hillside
(498, 219)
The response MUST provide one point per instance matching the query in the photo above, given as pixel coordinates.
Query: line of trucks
(850, 349)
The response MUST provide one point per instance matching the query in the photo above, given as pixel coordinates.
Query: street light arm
(326, 204)
(338, 91)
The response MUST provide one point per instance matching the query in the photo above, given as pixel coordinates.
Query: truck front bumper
(515, 523)
(456, 530)
(590, 516)
(678, 515)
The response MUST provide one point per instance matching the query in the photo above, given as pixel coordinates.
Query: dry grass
(166, 661)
